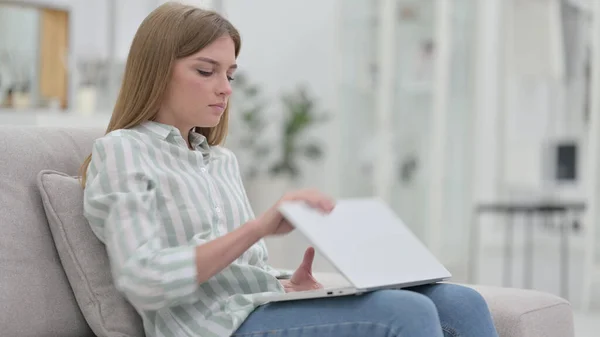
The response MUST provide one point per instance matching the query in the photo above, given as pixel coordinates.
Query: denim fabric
(440, 310)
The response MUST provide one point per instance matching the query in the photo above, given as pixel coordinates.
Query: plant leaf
(313, 151)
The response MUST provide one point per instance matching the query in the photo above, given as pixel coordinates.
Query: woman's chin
(210, 122)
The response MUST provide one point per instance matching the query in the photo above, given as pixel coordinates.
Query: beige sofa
(40, 296)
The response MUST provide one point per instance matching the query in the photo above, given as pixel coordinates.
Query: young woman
(184, 246)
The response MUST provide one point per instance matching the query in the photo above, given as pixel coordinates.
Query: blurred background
(478, 121)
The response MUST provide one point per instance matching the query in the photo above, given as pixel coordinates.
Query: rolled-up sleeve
(120, 202)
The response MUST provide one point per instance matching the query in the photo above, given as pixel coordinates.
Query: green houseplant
(264, 157)
(300, 113)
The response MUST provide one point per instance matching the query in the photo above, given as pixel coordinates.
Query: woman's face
(200, 87)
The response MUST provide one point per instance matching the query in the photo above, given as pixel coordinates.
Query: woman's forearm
(214, 256)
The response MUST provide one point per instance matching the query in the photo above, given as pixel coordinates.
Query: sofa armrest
(516, 312)
(528, 313)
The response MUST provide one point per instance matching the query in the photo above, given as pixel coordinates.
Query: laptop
(367, 243)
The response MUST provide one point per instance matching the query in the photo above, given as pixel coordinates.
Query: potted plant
(300, 113)
(270, 167)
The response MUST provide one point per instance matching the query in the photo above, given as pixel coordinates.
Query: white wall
(130, 15)
(89, 28)
(285, 44)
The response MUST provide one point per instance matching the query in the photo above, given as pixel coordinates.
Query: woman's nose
(224, 87)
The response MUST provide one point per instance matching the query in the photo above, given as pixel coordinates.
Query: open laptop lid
(367, 243)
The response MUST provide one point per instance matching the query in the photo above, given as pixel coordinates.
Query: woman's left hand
(302, 279)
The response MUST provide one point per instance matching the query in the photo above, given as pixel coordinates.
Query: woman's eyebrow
(211, 61)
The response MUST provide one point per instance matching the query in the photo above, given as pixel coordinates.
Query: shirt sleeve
(120, 202)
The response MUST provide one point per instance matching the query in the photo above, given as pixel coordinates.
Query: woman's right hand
(272, 221)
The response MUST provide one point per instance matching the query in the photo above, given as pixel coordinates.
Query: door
(54, 47)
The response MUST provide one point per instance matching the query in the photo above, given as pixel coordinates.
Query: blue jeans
(426, 311)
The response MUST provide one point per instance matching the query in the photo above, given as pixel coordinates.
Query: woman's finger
(313, 198)
(327, 205)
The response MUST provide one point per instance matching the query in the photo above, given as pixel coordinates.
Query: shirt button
(218, 209)
(203, 170)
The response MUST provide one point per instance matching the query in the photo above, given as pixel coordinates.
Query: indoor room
(476, 121)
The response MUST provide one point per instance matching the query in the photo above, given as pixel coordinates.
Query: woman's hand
(273, 223)
(302, 279)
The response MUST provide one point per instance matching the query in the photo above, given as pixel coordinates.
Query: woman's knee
(392, 301)
(462, 310)
(453, 298)
(402, 310)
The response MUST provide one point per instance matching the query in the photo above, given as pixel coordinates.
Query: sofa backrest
(35, 296)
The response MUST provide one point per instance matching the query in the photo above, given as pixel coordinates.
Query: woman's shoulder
(119, 150)
(122, 138)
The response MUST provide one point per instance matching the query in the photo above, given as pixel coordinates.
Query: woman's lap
(412, 312)
(462, 310)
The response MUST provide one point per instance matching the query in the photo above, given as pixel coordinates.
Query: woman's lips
(218, 108)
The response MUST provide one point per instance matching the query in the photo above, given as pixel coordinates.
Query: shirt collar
(164, 131)
(159, 129)
(198, 140)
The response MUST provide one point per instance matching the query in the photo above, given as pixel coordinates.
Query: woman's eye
(204, 73)
(210, 73)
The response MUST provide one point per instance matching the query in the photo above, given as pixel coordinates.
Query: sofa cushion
(84, 259)
(35, 296)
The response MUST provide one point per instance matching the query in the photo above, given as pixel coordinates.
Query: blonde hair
(170, 32)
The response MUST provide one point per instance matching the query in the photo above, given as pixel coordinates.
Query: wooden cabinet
(54, 51)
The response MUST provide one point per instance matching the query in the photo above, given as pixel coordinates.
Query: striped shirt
(152, 200)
